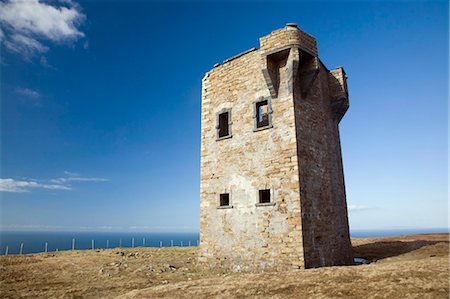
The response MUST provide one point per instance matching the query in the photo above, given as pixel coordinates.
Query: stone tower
(272, 189)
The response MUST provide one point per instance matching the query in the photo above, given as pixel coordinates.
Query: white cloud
(28, 93)
(28, 96)
(24, 45)
(44, 62)
(77, 179)
(25, 22)
(11, 185)
(69, 173)
(354, 208)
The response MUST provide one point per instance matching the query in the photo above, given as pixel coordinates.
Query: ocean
(34, 242)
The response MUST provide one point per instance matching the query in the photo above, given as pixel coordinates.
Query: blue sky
(100, 107)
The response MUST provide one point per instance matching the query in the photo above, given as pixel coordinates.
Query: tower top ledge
(278, 40)
(288, 36)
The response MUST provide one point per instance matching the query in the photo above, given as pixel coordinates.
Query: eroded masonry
(272, 192)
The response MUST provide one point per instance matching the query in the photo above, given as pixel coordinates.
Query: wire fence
(133, 243)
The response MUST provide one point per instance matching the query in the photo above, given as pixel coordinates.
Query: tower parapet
(287, 37)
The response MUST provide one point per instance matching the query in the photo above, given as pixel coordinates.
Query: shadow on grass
(381, 250)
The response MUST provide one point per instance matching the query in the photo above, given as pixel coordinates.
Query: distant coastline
(375, 233)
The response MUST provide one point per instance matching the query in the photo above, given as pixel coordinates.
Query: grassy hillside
(415, 266)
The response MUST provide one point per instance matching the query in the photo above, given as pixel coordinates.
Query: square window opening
(262, 114)
(224, 200)
(223, 124)
(264, 196)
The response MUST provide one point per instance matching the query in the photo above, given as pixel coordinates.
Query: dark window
(264, 196)
(262, 114)
(224, 199)
(223, 124)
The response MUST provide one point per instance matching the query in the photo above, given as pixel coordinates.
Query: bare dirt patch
(415, 266)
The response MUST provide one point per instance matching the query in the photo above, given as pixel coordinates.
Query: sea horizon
(35, 241)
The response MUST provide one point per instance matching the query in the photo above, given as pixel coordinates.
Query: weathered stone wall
(325, 232)
(298, 159)
(246, 236)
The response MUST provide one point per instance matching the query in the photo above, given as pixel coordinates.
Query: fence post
(143, 242)
(198, 242)
(107, 244)
(21, 248)
(160, 243)
(120, 243)
(93, 245)
(73, 244)
(6, 250)
(181, 243)
(189, 243)
(46, 246)
(132, 242)
(171, 243)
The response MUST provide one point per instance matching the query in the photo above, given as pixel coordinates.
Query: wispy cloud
(26, 24)
(28, 96)
(24, 45)
(11, 185)
(77, 179)
(44, 62)
(354, 208)
(62, 183)
(66, 172)
(28, 93)
(69, 173)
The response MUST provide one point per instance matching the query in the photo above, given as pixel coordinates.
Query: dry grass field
(415, 266)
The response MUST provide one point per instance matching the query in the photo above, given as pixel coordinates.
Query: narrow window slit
(262, 114)
(262, 109)
(223, 124)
